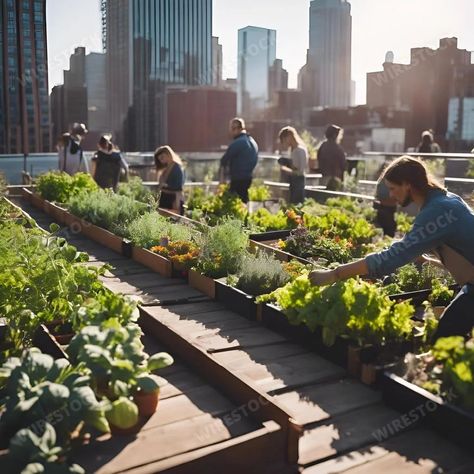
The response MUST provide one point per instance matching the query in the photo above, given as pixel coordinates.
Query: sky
(378, 26)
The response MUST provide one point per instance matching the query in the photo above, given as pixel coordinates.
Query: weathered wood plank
(113, 455)
(417, 451)
(197, 402)
(344, 433)
(320, 402)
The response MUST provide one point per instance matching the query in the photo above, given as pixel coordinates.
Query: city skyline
(397, 30)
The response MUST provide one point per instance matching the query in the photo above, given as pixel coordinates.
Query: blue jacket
(445, 219)
(241, 157)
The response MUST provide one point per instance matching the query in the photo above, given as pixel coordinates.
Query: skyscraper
(330, 30)
(150, 44)
(24, 104)
(256, 54)
(216, 62)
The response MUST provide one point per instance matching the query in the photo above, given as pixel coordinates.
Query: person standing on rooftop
(240, 159)
(70, 153)
(298, 164)
(331, 156)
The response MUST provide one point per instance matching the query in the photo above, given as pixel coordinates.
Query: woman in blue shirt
(444, 227)
(171, 178)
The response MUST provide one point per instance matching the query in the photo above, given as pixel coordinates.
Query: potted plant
(440, 297)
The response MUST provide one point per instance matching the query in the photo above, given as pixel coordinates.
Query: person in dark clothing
(331, 156)
(427, 144)
(171, 178)
(107, 164)
(240, 159)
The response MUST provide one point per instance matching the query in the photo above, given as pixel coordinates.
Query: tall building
(425, 87)
(24, 104)
(213, 106)
(277, 79)
(216, 62)
(151, 44)
(82, 97)
(328, 67)
(256, 54)
(97, 116)
(69, 101)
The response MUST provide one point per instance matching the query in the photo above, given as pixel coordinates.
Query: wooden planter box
(153, 261)
(46, 342)
(236, 300)
(450, 420)
(419, 296)
(55, 211)
(38, 202)
(26, 194)
(202, 283)
(101, 236)
(278, 254)
(270, 235)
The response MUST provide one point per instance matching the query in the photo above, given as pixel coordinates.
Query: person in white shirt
(297, 165)
(70, 153)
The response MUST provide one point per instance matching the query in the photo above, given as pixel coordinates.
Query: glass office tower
(150, 44)
(24, 104)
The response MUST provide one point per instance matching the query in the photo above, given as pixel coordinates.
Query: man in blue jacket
(444, 227)
(240, 159)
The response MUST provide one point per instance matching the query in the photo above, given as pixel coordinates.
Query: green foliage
(354, 309)
(404, 222)
(213, 209)
(222, 249)
(457, 359)
(264, 220)
(60, 187)
(261, 274)
(353, 206)
(411, 278)
(470, 170)
(36, 388)
(107, 209)
(135, 189)
(336, 223)
(440, 295)
(259, 193)
(149, 229)
(307, 244)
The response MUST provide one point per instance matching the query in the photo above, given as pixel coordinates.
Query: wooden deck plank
(144, 279)
(197, 402)
(180, 383)
(320, 402)
(276, 374)
(204, 312)
(417, 451)
(347, 432)
(237, 338)
(113, 455)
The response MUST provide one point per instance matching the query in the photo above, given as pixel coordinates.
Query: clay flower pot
(146, 402)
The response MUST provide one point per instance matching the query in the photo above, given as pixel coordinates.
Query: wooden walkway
(345, 425)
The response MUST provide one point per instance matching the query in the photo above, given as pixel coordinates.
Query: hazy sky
(377, 27)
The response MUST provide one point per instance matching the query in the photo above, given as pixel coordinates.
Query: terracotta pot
(202, 283)
(146, 402)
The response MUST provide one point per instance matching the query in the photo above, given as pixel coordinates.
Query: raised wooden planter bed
(38, 202)
(415, 402)
(236, 300)
(101, 236)
(153, 261)
(202, 283)
(270, 235)
(55, 211)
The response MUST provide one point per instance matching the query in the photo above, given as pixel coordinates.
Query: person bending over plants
(443, 227)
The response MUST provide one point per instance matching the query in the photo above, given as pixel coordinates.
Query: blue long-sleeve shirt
(241, 157)
(445, 219)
